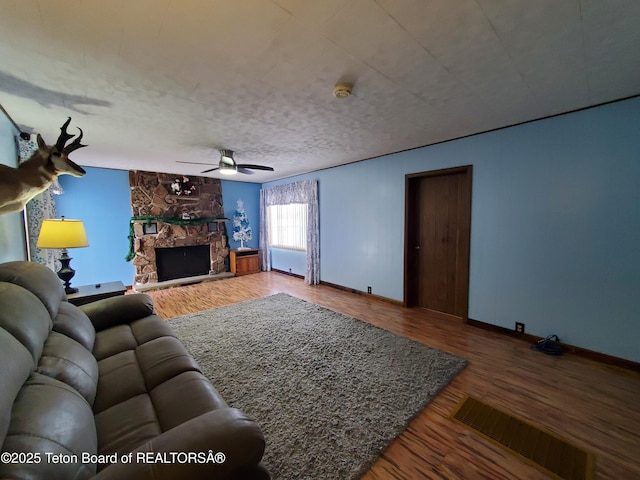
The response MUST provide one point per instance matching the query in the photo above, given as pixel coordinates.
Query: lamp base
(66, 273)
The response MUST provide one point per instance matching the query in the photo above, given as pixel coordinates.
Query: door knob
(417, 247)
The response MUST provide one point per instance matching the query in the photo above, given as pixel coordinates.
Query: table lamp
(63, 234)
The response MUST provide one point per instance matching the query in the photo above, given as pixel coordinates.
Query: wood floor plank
(593, 405)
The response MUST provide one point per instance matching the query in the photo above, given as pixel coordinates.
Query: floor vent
(544, 450)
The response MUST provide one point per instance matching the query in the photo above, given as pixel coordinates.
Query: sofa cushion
(66, 360)
(17, 365)
(162, 359)
(184, 397)
(120, 380)
(133, 372)
(50, 417)
(224, 430)
(24, 316)
(125, 426)
(147, 328)
(38, 279)
(74, 323)
(114, 340)
(128, 336)
(118, 310)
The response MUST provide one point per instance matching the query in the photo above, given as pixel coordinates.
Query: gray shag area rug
(330, 392)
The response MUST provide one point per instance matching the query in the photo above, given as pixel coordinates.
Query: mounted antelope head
(19, 185)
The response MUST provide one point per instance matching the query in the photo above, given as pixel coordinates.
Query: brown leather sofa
(107, 391)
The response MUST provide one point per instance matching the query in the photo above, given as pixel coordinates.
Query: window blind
(288, 226)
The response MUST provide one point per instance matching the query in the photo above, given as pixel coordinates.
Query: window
(287, 226)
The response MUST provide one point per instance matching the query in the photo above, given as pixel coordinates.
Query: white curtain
(306, 192)
(42, 206)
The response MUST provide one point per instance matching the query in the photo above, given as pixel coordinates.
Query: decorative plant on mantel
(241, 228)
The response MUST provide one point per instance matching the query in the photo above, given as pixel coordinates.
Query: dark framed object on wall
(150, 228)
(212, 226)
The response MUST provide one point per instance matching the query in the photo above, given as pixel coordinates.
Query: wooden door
(437, 236)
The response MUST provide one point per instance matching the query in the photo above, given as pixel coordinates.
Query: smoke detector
(342, 91)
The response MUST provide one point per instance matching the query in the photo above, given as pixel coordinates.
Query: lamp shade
(62, 233)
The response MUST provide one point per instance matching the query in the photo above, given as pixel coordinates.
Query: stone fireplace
(171, 220)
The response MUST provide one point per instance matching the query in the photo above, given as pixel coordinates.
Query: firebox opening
(182, 262)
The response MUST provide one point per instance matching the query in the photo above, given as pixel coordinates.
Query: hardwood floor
(593, 405)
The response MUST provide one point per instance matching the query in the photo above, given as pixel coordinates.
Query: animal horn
(64, 136)
(75, 145)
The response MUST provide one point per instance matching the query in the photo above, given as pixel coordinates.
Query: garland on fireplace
(172, 221)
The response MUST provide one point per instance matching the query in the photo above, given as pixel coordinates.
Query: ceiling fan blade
(255, 167)
(195, 163)
(244, 170)
(210, 170)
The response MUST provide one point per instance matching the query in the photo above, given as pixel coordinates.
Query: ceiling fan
(228, 165)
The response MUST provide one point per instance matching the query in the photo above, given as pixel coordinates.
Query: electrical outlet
(368, 289)
(519, 327)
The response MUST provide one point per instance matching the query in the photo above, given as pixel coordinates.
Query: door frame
(410, 210)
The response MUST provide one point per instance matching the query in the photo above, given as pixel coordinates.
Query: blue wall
(12, 238)
(291, 261)
(249, 193)
(555, 225)
(101, 199)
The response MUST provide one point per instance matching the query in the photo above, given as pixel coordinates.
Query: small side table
(91, 293)
(244, 262)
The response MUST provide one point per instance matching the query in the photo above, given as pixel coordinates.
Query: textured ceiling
(152, 82)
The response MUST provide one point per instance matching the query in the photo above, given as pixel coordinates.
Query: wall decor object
(34, 176)
(150, 228)
(183, 186)
(39, 208)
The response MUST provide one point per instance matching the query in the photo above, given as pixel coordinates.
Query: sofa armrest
(226, 430)
(118, 310)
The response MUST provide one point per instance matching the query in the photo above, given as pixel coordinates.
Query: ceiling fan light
(228, 169)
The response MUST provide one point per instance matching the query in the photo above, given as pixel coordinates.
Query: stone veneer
(151, 195)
